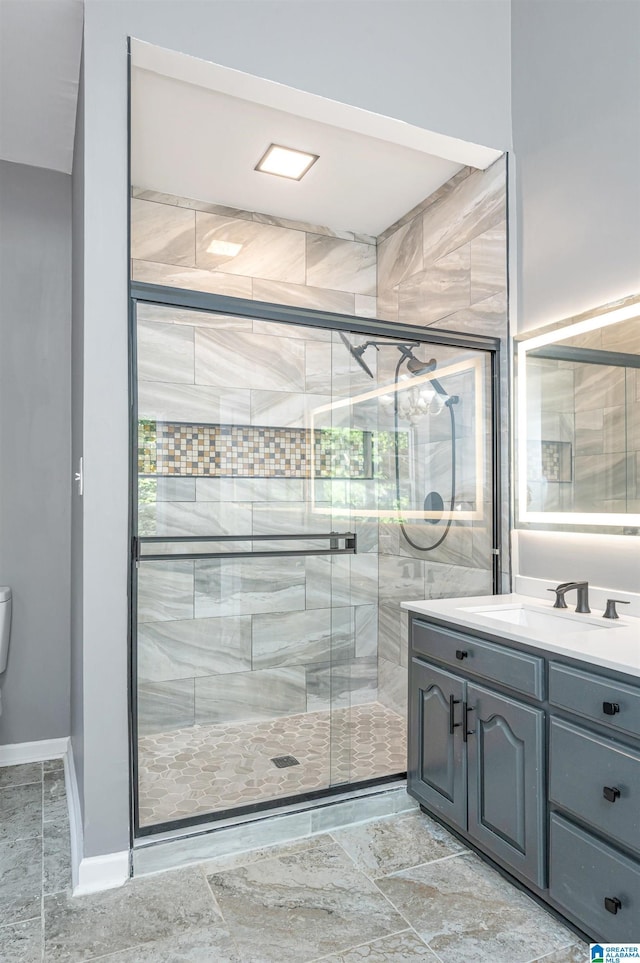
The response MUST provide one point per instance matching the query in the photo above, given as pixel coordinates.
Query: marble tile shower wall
(249, 639)
(443, 265)
(186, 243)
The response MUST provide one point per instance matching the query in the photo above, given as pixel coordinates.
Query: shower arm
(390, 344)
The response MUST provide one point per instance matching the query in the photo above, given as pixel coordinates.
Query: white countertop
(597, 641)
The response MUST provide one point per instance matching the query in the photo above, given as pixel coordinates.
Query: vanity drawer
(517, 670)
(581, 765)
(592, 695)
(583, 873)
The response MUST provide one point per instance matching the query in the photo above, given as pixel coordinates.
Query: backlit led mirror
(578, 422)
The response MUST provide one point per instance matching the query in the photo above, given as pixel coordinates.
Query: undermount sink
(534, 617)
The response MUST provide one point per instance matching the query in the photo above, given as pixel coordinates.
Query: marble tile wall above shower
(207, 247)
(449, 260)
(443, 265)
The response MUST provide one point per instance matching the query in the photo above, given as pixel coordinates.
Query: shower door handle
(350, 546)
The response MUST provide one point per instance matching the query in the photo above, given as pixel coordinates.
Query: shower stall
(295, 476)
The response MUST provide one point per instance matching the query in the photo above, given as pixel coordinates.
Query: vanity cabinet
(476, 756)
(437, 763)
(535, 761)
(594, 801)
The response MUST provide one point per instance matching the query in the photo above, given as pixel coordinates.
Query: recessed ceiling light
(286, 162)
(224, 248)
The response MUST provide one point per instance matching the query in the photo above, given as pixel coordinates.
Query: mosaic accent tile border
(556, 460)
(552, 460)
(171, 448)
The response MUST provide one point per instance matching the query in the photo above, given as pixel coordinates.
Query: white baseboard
(90, 874)
(93, 873)
(19, 753)
(97, 873)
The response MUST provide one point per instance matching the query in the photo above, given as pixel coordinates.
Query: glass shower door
(289, 496)
(246, 622)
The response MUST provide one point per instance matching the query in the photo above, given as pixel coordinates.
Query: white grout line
(428, 862)
(348, 949)
(219, 909)
(558, 949)
(384, 895)
(390, 901)
(396, 872)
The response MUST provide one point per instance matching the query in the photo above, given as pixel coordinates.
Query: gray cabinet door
(506, 780)
(437, 765)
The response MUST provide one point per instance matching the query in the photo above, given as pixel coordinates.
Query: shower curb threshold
(233, 837)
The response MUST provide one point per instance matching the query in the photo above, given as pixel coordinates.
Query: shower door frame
(284, 314)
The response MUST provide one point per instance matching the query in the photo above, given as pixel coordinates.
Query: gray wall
(77, 426)
(440, 65)
(35, 350)
(576, 137)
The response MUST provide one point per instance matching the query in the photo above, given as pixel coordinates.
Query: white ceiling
(199, 129)
(199, 143)
(40, 47)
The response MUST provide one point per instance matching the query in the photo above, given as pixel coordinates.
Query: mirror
(578, 422)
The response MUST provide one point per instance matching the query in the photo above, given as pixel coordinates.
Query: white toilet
(5, 628)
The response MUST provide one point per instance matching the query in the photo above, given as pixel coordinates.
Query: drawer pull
(612, 904)
(610, 708)
(461, 654)
(611, 793)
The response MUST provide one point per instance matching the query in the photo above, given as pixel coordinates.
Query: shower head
(357, 353)
(417, 367)
(414, 365)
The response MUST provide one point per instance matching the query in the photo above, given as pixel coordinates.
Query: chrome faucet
(583, 595)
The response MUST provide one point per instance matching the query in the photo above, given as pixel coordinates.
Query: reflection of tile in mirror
(598, 386)
(589, 435)
(614, 429)
(599, 478)
(556, 460)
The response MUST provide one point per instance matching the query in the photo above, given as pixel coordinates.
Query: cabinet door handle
(453, 725)
(610, 708)
(612, 904)
(466, 709)
(611, 793)
(461, 654)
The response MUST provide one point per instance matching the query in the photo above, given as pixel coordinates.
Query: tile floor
(203, 769)
(394, 890)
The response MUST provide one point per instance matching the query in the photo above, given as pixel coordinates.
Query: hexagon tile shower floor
(206, 769)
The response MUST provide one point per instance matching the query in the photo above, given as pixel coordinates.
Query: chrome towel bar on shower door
(350, 546)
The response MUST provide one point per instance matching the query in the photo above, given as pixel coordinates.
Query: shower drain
(282, 762)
